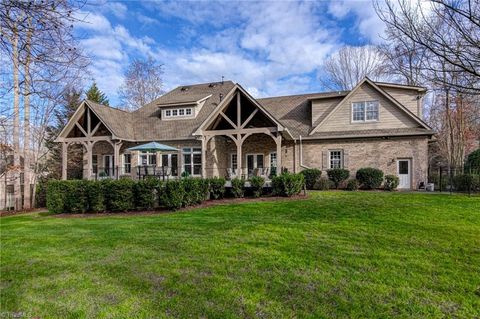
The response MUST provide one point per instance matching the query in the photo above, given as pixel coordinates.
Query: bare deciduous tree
(345, 68)
(447, 31)
(37, 38)
(143, 83)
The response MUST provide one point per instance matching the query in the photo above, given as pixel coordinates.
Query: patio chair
(265, 172)
(230, 173)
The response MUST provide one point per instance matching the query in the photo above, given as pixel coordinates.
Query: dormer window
(178, 112)
(365, 111)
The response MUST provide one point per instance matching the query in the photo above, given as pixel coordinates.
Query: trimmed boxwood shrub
(96, 197)
(288, 184)
(217, 187)
(369, 177)
(311, 175)
(194, 193)
(76, 199)
(55, 196)
(172, 196)
(391, 182)
(238, 185)
(146, 193)
(352, 185)
(119, 194)
(256, 183)
(204, 189)
(323, 184)
(41, 193)
(338, 176)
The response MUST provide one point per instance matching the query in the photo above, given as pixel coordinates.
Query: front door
(254, 161)
(404, 173)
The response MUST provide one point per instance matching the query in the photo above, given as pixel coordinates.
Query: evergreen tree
(71, 101)
(94, 94)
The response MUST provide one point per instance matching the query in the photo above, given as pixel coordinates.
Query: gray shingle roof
(294, 111)
(291, 111)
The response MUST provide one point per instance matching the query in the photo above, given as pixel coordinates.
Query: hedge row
(365, 178)
(80, 196)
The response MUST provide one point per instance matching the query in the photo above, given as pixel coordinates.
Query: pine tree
(94, 94)
(71, 101)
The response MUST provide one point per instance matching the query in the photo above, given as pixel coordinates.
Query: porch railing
(168, 172)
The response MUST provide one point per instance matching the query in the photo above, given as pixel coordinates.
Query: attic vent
(212, 85)
(185, 88)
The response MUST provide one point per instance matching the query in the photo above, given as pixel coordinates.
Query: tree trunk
(17, 195)
(27, 172)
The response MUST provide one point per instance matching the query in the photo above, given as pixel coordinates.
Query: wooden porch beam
(266, 130)
(86, 139)
(81, 129)
(95, 129)
(228, 120)
(249, 118)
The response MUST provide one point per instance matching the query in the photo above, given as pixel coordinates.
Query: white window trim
(123, 163)
(365, 112)
(177, 110)
(330, 158)
(191, 159)
(147, 153)
(270, 158)
(231, 160)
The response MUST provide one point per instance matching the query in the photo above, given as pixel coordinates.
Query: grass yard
(334, 255)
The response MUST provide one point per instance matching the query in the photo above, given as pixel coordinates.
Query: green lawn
(335, 255)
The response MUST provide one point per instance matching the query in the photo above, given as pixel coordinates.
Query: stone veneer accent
(377, 153)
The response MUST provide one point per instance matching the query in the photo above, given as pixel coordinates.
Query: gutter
(301, 154)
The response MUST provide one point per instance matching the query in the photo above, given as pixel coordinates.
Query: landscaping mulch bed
(208, 203)
(4, 213)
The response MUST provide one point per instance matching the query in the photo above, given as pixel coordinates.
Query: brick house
(219, 129)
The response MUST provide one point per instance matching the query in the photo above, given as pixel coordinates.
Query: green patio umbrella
(152, 147)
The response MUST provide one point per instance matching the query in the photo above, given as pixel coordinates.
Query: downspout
(301, 155)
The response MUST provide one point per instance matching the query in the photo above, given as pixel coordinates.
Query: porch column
(89, 147)
(204, 155)
(64, 160)
(278, 141)
(116, 158)
(239, 143)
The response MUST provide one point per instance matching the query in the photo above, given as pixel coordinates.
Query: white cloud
(110, 48)
(269, 47)
(368, 23)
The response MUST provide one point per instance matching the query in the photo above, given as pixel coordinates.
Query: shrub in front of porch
(146, 192)
(338, 176)
(217, 187)
(369, 177)
(238, 185)
(172, 196)
(119, 195)
(194, 191)
(311, 175)
(256, 183)
(288, 184)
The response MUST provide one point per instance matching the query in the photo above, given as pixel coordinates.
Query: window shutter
(345, 159)
(324, 160)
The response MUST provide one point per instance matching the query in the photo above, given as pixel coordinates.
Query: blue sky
(270, 48)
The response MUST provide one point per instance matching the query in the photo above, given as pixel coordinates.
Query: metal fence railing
(174, 172)
(455, 179)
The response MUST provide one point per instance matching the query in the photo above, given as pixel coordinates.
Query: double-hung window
(365, 111)
(335, 159)
(127, 163)
(148, 158)
(233, 161)
(192, 160)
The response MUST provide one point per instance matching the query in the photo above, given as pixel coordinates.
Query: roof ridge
(107, 106)
(303, 94)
